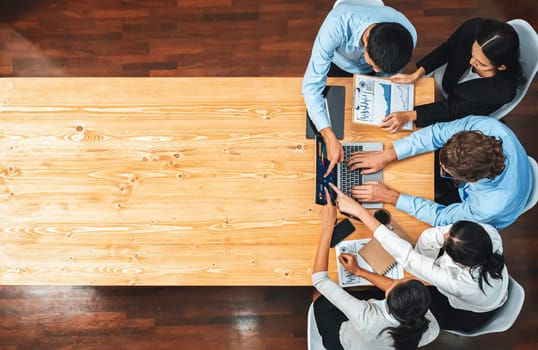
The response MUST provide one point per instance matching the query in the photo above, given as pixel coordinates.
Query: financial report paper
(375, 98)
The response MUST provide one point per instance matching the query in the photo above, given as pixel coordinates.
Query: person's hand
(345, 203)
(349, 262)
(327, 214)
(402, 78)
(335, 151)
(408, 78)
(372, 161)
(351, 207)
(373, 191)
(395, 121)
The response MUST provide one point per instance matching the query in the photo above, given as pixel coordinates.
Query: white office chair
(359, 2)
(528, 51)
(313, 337)
(438, 75)
(505, 316)
(533, 199)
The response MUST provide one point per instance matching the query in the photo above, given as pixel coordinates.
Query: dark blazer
(478, 96)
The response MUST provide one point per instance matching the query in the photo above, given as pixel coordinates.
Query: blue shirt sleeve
(330, 37)
(496, 201)
(428, 139)
(436, 214)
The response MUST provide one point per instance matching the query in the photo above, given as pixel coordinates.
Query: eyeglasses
(443, 173)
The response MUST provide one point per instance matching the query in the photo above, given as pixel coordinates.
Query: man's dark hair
(390, 46)
(470, 156)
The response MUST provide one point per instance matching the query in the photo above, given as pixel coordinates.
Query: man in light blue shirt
(481, 153)
(357, 39)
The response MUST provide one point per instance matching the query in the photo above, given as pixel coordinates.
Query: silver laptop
(346, 179)
(341, 176)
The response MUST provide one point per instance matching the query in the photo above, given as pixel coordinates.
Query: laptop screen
(322, 164)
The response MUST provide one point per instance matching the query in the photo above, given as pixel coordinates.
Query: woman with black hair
(467, 272)
(364, 320)
(463, 263)
(482, 74)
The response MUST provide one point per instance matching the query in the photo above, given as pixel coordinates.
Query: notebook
(355, 247)
(341, 176)
(335, 97)
(374, 253)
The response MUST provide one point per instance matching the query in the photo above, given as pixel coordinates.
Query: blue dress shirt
(339, 41)
(497, 202)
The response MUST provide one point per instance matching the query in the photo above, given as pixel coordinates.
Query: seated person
(401, 321)
(482, 74)
(491, 167)
(355, 39)
(469, 278)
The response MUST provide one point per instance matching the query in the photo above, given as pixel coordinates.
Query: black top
(478, 96)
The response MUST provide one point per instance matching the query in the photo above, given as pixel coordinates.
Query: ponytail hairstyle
(408, 302)
(500, 43)
(469, 244)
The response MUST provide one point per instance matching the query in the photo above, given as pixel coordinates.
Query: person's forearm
(429, 211)
(314, 82)
(392, 197)
(321, 262)
(419, 73)
(389, 154)
(365, 216)
(327, 133)
(380, 281)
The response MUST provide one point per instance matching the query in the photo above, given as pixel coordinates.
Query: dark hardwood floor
(215, 38)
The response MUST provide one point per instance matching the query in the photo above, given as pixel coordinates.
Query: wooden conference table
(168, 181)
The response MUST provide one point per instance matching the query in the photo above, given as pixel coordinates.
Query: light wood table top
(168, 181)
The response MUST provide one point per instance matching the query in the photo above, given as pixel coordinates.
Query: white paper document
(346, 278)
(375, 98)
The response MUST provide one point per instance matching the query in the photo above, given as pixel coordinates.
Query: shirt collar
(385, 310)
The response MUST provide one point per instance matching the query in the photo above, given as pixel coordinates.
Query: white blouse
(468, 75)
(367, 318)
(451, 279)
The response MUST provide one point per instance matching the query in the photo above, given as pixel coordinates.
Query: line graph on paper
(402, 98)
(375, 98)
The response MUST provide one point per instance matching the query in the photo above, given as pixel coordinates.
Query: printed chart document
(375, 98)
(347, 279)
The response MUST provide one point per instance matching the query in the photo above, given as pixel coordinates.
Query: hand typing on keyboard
(371, 162)
(372, 191)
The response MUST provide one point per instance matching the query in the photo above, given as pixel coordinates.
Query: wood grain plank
(191, 181)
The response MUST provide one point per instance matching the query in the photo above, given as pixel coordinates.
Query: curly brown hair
(470, 156)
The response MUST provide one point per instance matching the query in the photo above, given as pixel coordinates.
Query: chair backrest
(505, 316)
(533, 198)
(528, 52)
(313, 337)
(438, 77)
(358, 2)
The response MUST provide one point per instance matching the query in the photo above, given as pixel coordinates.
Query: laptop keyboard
(349, 178)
